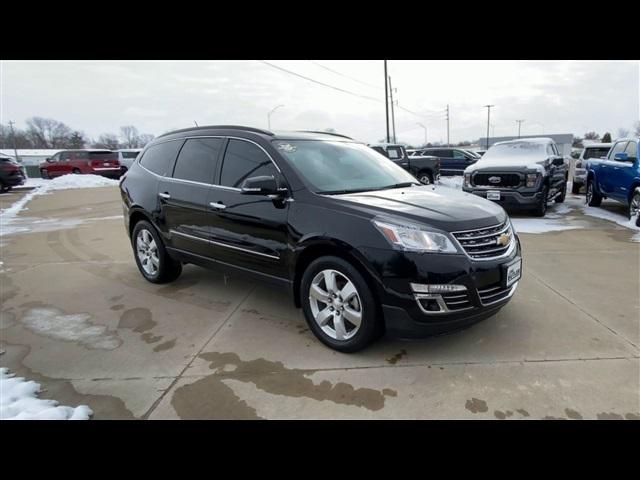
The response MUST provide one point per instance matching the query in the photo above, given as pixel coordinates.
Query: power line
(346, 76)
(320, 83)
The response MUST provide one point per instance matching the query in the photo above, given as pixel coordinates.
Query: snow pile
(65, 182)
(452, 182)
(19, 401)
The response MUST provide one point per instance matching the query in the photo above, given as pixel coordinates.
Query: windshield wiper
(399, 185)
(340, 192)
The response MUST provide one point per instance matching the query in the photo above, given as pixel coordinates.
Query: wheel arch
(329, 247)
(136, 216)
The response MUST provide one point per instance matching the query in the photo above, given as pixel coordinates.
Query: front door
(248, 231)
(624, 173)
(611, 169)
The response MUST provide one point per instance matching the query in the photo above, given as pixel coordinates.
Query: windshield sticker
(287, 147)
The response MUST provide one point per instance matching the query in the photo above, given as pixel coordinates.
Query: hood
(439, 207)
(529, 162)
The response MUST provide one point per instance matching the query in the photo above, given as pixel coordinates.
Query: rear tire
(334, 297)
(593, 198)
(152, 258)
(541, 207)
(76, 171)
(4, 188)
(575, 188)
(425, 178)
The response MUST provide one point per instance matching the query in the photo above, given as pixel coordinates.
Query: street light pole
(269, 114)
(393, 115)
(386, 98)
(519, 124)
(425, 133)
(488, 107)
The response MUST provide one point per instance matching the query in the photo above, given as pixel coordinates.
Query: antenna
(196, 123)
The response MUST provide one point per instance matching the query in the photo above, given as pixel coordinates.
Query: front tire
(541, 207)
(560, 198)
(634, 207)
(593, 198)
(425, 178)
(4, 188)
(44, 173)
(575, 188)
(152, 258)
(338, 305)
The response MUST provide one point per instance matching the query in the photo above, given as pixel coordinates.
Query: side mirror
(621, 157)
(48, 160)
(262, 185)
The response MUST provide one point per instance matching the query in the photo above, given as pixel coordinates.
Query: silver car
(592, 150)
(127, 156)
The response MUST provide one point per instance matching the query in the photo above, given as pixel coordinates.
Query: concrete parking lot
(78, 318)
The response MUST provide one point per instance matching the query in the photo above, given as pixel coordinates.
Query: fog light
(422, 288)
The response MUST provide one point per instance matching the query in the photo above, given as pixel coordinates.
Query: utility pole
(269, 115)
(448, 144)
(13, 136)
(425, 133)
(488, 107)
(386, 99)
(393, 115)
(519, 124)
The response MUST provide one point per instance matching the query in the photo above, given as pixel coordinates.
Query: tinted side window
(198, 160)
(81, 155)
(459, 154)
(618, 147)
(243, 160)
(632, 150)
(159, 158)
(445, 153)
(65, 156)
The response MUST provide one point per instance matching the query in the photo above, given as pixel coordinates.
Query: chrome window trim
(212, 242)
(184, 139)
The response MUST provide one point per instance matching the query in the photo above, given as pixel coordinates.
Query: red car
(97, 162)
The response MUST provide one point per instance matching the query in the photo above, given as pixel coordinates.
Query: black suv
(523, 174)
(425, 168)
(453, 161)
(361, 245)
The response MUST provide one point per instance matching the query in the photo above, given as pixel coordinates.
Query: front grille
(484, 243)
(496, 180)
(457, 300)
(494, 294)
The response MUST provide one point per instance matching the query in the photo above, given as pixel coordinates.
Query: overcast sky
(552, 97)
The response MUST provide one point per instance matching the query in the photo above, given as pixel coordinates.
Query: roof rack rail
(220, 127)
(326, 133)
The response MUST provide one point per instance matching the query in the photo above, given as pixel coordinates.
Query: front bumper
(14, 180)
(405, 316)
(580, 176)
(521, 198)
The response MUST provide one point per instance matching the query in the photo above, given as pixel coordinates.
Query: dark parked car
(426, 169)
(359, 243)
(97, 162)
(453, 161)
(520, 173)
(11, 174)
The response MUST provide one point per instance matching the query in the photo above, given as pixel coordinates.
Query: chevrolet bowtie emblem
(503, 239)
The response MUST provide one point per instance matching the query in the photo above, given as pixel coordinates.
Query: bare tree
(108, 141)
(144, 138)
(637, 127)
(591, 136)
(623, 132)
(48, 133)
(130, 137)
(606, 138)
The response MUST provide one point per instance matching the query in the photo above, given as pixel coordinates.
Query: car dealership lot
(78, 318)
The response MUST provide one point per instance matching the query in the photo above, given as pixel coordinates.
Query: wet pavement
(78, 318)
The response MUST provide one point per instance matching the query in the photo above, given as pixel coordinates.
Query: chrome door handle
(219, 206)
(164, 195)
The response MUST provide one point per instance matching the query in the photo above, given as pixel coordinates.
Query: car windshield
(596, 152)
(342, 167)
(506, 151)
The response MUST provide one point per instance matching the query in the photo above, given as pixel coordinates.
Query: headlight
(412, 238)
(532, 178)
(467, 179)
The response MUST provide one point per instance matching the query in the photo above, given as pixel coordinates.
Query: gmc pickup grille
(486, 243)
(496, 180)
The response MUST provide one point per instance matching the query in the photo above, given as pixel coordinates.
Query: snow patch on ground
(9, 220)
(621, 220)
(19, 401)
(53, 323)
(452, 182)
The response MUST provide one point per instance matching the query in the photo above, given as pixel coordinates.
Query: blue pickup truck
(616, 176)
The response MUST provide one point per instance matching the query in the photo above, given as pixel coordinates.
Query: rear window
(394, 153)
(103, 156)
(129, 154)
(595, 152)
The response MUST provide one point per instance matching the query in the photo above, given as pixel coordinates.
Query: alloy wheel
(634, 207)
(147, 251)
(335, 304)
(589, 194)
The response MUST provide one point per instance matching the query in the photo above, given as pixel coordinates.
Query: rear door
(447, 163)
(183, 194)
(248, 231)
(64, 164)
